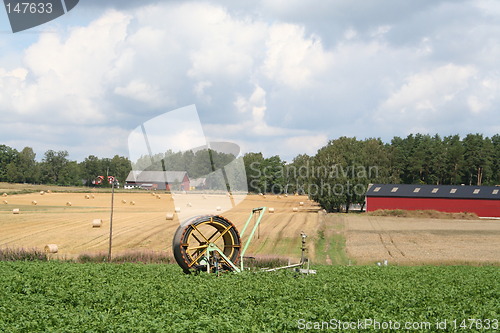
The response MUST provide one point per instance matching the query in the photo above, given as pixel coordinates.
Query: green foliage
(65, 297)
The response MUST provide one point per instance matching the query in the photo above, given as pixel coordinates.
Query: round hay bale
(15, 211)
(87, 196)
(218, 208)
(296, 193)
(92, 196)
(4, 195)
(301, 203)
(279, 196)
(295, 209)
(51, 248)
(271, 210)
(49, 191)
(158, 196)
(261, 194)
(34, 203)
(5, 202)
(153, 193)
(68, 203)
(124, 201)
(286, 195)
(177, 209)
(132, 203)
(189, 204)
(169, 216)
(42, 192)
(96, 223)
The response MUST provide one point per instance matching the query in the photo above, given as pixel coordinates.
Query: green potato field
(70, 297)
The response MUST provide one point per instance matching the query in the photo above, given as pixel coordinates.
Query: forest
(339, 171)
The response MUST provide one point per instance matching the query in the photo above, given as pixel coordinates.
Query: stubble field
(139, 224)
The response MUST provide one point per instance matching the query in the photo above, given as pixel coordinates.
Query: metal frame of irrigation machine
(212, 243)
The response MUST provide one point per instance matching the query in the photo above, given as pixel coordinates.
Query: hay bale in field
(286, 195)
(271, 210)
(301, 203)
(279, 197)
(96, 223)
(34, 203)
(68, 203)
(92, 196)
(5, 202)
(51, 248)
(189, 204)
(158, 196)
(87, 196)
(42, 192)
(261, 194)
(169, 216)
(153, 193)
(49, 191)
(4, 195)
(295, 209)
(15, 211)
(218, 208)
(124, 201)
(132, 203)
(177, 209)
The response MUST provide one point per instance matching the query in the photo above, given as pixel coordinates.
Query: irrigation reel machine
(211, 243)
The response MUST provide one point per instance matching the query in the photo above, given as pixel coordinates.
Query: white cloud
(426, 93)
(276, 76)
(143, 92)
(292, 59)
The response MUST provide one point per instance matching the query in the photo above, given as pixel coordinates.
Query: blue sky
(280, 77)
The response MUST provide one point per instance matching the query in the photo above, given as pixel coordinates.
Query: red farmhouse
(482, 200)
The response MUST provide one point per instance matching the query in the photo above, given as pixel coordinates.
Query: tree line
(55, 168)
(338, 175)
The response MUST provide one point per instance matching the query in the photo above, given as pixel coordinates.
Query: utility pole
(111, 219)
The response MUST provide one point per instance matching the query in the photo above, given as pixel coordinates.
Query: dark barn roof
(434, 191)
(171, 177)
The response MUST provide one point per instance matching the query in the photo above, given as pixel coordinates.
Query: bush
(22, 255)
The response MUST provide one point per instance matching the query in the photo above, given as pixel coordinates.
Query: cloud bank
(281, 77)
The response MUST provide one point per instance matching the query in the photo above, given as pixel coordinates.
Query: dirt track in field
(142, 226)
(412, 241)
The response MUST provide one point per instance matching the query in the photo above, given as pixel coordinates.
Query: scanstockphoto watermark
(311, 179)
(308, 171)
(323, 188)
(468, 324)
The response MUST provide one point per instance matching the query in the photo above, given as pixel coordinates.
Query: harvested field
(332, 238)
(412, 241)
(143, 226)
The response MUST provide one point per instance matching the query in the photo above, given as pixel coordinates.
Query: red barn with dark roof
(482, 200)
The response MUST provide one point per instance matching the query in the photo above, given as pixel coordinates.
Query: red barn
(482, 200)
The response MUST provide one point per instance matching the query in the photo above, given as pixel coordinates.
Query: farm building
(161, 180)
(482, 200)
(198, 184)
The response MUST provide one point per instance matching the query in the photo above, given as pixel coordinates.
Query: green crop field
(71, 297)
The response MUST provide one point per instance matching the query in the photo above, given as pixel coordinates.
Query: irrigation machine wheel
(194, 236)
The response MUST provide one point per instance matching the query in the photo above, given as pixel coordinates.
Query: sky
(281, 77)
